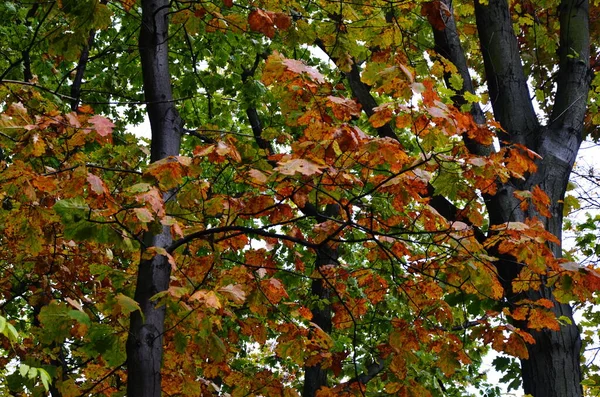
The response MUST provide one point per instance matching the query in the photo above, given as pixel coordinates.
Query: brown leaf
(235, 292)
(282, 20)
(437, 13)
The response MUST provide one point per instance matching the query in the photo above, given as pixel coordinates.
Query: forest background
(371, 221)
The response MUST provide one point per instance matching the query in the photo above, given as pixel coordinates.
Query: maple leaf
(169, 172)
(260, 21)
(299, 67)
(437, 13)
(102, 125)
(302, 166)
(97, 184)
(143, 214)
(127, 304)
(208, 297)
(282, 20)
(154, 198)
(541, 201)
(343, 108)
(235, 292)
(274, 290)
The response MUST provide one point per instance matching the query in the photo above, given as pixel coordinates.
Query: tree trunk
(315, 376)
(144, 345)
(553, 367)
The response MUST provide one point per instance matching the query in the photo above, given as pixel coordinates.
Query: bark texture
(315, 376)
(145, 342)
(553, 367)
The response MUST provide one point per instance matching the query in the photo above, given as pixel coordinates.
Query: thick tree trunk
(144, 345)
(553, 367)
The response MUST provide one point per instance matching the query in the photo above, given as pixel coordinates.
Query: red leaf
(96, 184)
(102, 125)
(437, 13)
(228, 3)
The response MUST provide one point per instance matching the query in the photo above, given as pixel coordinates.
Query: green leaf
(32, 373)
(12, 333)
(127, 304)
(45, 377)
(456, 81)
(80, 317)
(23, 370)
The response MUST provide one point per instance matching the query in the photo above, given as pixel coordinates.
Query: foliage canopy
(340, 218)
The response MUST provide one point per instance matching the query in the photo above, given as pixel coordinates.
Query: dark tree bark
(553, 367)
(315, 376)
(80, 70)
(145, 342)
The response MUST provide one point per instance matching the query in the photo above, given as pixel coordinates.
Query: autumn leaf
(127, 304)
(209, 298)
(300, 68)
(282, 20)
(436, 12)
(343, 108)
(541, 201)
(274, 290)
(96, 184)
(304, 167)
(235, 292)
(102, 125)
(143, 214)
(260, 21)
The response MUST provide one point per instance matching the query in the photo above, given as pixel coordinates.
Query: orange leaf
(282, 20)
(540, 318)
(274, 290)
(541, 201)
(208, 297)
(260, 21)
(515, 346)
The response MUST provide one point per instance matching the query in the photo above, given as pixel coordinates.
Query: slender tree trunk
(315, 376)
(144, 345)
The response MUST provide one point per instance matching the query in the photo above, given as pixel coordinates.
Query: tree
(323, 207)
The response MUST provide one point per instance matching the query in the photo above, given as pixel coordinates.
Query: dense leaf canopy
(334, 214)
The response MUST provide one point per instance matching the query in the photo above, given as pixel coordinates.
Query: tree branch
(574, 65)
(447, 44)
(506, 79)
